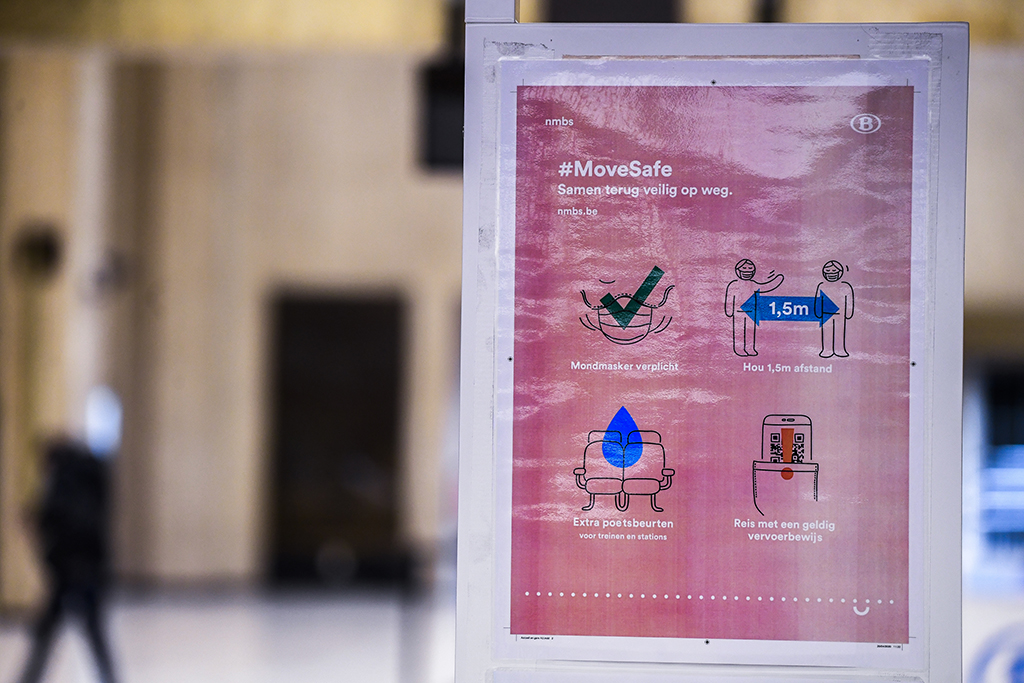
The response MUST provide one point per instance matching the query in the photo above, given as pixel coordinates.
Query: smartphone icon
(785, 453)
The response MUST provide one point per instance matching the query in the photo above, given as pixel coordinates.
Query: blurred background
(244, 217)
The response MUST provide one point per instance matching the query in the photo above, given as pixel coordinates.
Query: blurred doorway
(337, 379)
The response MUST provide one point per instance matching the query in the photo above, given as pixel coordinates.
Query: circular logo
(865, 123)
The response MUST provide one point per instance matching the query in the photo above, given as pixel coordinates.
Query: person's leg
(42, 638)
(828, 338)
(92, 615)
(737, 337)
(840, 336)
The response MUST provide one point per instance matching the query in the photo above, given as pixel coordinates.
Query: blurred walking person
(72, 526)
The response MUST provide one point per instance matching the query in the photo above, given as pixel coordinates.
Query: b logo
(865, 123)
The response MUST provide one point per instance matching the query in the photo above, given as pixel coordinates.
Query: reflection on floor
(378, 637)
(993, 636)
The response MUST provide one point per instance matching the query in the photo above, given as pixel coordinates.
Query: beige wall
(991, 20)
(366, 24)
(201, 458)
(234, 177)
(338, 200)
(995, 181)
(278, 172)
(55, 335)
(37, 135)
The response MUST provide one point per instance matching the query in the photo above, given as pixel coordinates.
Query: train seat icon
(635, 467)
(648, 475)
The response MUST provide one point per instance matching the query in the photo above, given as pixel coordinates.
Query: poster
(710, 317)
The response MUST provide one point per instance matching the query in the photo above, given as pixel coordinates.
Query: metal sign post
(712, 332)
(492, 11)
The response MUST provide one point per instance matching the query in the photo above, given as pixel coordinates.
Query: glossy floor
(378, 637)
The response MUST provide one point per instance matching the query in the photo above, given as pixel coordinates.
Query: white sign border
(725, 72)
(947, 45)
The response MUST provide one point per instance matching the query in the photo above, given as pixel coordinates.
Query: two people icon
(748, 306)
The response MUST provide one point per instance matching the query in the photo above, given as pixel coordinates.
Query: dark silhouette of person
(72, 526)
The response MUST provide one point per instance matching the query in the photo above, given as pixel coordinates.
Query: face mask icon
(628, 318)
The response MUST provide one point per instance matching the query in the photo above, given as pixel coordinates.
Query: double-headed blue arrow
(761, 308)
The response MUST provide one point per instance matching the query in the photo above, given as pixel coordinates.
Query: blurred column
(721, 11)
(55, 272)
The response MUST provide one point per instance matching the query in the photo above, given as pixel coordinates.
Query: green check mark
(624, 314)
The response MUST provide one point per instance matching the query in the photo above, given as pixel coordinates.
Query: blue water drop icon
(622, 454)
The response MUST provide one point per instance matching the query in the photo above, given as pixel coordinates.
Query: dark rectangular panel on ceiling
(615, 11)
(442, 85)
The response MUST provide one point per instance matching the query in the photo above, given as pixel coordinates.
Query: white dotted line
(724, 598)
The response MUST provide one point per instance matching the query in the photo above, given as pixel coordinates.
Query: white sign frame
(480, 588)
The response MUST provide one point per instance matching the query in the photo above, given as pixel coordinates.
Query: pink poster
(710, 426)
